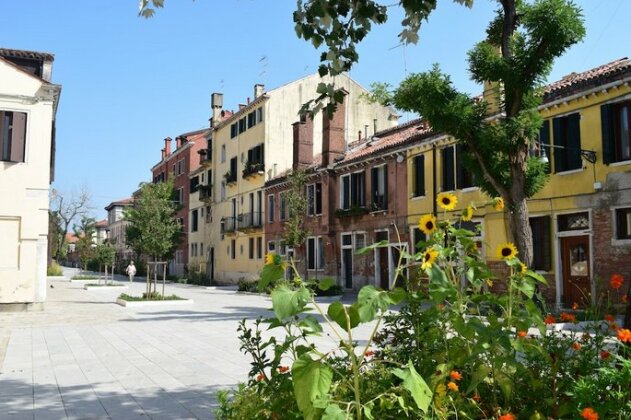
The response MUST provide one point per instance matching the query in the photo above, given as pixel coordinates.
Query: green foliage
(153, 228)
(151, 296)
(104, 254)
(54, 270)
(84, 277)
(85, 231)
(295, 233)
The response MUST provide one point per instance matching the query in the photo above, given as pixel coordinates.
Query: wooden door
(347, 263)
(576, 270)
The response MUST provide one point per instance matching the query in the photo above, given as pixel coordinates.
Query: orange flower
(260, 377)
(610, 318)
(550, 319)
(624, 298)
(624, 335)
(605, 355)
(456, 376)
(565, 317)
(476, 397)
(614, 326)
(522, 334)
(507, 416)
(575, 306)
(616, 281)
(283, 369)
(369, 353)
(589, 414)
(576, 346)
(452, 386)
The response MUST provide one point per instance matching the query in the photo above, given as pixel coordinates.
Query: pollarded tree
(85, 232)
(523, 40)
(65, 209)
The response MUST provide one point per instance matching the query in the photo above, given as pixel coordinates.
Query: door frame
(558, 269)
(377, 262)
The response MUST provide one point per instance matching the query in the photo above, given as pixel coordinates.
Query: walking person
(131, 271)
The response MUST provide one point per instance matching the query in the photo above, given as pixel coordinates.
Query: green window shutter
(448, 169)
(574, 141)
(559, 154)
(608, 138)
(419, 175)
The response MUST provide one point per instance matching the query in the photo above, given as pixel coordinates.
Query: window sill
(469, 189)
(621, 242)
(621, 163)
(570, 172)
(418, 197)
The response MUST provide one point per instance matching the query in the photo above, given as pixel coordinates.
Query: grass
(84, 277)
(152, 296)
(54, 270)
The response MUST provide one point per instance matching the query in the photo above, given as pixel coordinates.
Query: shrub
(333, 290)
(152, 296)
(247, 285)
(84, 277)
(54, 269)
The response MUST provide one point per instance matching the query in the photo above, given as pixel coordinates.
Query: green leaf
(536, 276)
(326, 283)
(270, 273)
(337, 312)
(370, 300)
(287, 302)
(368, 410)
(312, 381)
(333, 412)
(397, 295)
(478, 375)
(416, 385)
(310, 324)
(380, 244)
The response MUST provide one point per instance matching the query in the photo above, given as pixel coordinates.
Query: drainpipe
(434, 178)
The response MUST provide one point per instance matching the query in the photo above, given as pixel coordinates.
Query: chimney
(167, 147)
(303, 142)
(216, 106)
(164, 153)
(47, 69)
(258, 90)
(333, 138)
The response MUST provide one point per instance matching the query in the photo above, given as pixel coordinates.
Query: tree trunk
(520, 229)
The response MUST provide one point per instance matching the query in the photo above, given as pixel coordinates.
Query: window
(419, 176)
(12, 136)
(464, 178)
(209, 215)
(567, 135)
(223, 153)
(623, 223)
(315, 253)
(180, 167)
(193, 250)
(542, 241)
(233, 170)
(543, 139)
(282, 248)
(616, 133)
(241, 125)
(251, 119)
(234, 130)
(194, 220)
(353, 190)
(449, 182)
(179, 195)
(314, 199)
(270, 208)
(380, 188)
(360, 240)
(417, 237)
(283, 205)
(455, 175)
(194, 184)
(575, 221)
(233, 249)
(255, 154)
(259, 115)
(251, 248)
(271, 246)
(259, 247)
(223, 190)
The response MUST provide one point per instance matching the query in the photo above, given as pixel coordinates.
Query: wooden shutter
(385, 187)
(559, 154)
(544, 139)
(542, 243)
(608, 138)
(374, 184)
(448, 169)
(419, 175)
(318, 198)
(574, 141)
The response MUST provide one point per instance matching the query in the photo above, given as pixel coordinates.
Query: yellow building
(200, 214)
(253, 145)
(581, 220)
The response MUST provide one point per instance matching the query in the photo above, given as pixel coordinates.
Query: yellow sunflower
(498, 203)
(447, 201)
(522, 268)
(506, 251)
(467, 214)
(427, 224)
(429, 257)
(270, 258)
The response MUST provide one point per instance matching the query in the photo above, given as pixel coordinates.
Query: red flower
(369, 353)
(456, 376)
(565, 317)
(507, 416)
(624, 298)
(576, 346)
(610, 318)
(575, 306)
(624, 335)
(605, 355)
(521, 334)
(589, 414)
(616, 281)
(550, 319)
(260, 377)
(283, 369)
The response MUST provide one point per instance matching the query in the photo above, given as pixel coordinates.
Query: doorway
(576, 270)
(381, 261)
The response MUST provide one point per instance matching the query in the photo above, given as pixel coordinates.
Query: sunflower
(467, 214)
(427, 224)
(523, 268)
(447, 201)
(506, 251)
(270, 258)
(498, 203)
(429, 257)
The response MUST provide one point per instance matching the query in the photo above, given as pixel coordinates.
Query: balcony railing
(228, 224)
(252, 169)
(230, 177)
(251, 220)
(205, 192)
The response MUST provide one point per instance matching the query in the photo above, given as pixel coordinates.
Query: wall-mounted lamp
(588, 155)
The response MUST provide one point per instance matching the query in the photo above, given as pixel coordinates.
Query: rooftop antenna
(263, 74)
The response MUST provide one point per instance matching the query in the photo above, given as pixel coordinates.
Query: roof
(35, 55)
(123, 202)
(71, 238)
(101, 224)
(577, 82)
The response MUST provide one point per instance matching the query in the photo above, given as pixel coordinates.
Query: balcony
(379, 203)
(253, 168)
(250, 221)
(228, 225)
(205, 156)
(231, 177)
(205, 192)
(352, 211)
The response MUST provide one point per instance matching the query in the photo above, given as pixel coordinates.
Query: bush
(247, 285)
(333, 290)
(54, 270)
(84, 277)
(152, 296)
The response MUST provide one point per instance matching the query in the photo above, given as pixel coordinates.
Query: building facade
(254, 145)
(28, 106)
(117, 230)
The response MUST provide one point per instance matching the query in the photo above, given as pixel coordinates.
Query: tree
(104, 255)
(153, 229)
(66, 209)
(522, 42)
(55, 232)
(85, 231)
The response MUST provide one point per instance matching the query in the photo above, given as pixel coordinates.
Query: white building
(117, 226)
(28, 106)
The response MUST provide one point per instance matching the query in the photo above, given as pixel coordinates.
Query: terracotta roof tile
(7, 52)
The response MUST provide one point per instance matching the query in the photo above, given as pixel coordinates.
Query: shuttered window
(464, 177)
(448, 169)
(380, 188)
(12, 136)
(542, 243)
(567, 136)
(419, 175)
(616, 131)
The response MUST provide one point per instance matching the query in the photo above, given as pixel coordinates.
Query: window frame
(314, 200)
(10, 138)
(318, 253)
(270, 207)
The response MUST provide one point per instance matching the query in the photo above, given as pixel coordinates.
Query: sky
(128, 82)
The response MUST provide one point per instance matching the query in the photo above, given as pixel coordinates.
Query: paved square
(85, 357)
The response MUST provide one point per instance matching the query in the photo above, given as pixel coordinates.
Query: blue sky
(129, 82)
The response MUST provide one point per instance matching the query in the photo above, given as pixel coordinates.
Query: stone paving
(85, 357)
